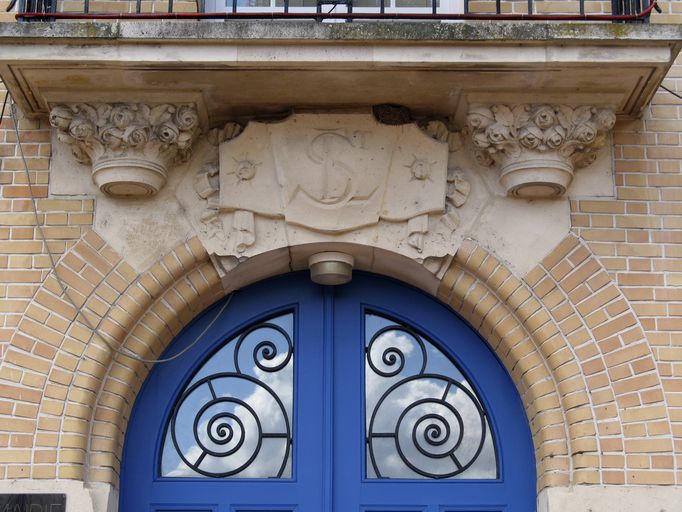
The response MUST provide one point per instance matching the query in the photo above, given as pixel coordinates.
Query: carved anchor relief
(338, 181)
(324, 177)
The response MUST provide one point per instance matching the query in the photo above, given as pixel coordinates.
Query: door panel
(330, 469)
(142, 481)
(253, 508)
(397, 508)
(489, 380)
(166, 509)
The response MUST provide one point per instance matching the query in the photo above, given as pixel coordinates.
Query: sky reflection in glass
(423, 418)
(233, 420)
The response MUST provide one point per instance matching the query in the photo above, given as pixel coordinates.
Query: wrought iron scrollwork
(233, 413)
(267, 349)
(392, 357)
(435, 424)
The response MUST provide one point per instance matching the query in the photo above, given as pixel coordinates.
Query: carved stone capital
(537, 147)
(130, 146)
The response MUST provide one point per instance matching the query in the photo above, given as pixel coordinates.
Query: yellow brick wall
(592, 336)
(638, 239)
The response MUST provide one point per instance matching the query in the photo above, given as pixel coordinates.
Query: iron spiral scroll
(437, 425)
(228, 427)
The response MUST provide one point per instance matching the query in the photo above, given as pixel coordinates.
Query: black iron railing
(622, 11)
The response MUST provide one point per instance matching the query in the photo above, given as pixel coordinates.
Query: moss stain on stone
(367, 31)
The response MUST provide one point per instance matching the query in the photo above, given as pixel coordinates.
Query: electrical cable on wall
(671, 92)
(94, 330)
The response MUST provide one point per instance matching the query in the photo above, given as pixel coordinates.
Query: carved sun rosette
(129, 145)
(326, 177)
(538, 147)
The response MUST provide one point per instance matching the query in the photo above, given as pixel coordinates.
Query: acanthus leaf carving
(538, 146)
(130, 146)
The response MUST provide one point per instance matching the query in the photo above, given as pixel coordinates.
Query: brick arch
(633, 425)
(505, 312)
(507, 335)
(597, 355)
(587, 397)
(159, 304)
(484, 292)
(54, 370)
(501, 321)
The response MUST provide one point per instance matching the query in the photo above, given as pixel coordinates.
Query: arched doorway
(370, 396)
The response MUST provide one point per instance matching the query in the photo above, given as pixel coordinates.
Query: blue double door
(336, 437)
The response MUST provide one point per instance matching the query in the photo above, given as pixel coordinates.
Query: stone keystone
(538, 147)
(130, 146)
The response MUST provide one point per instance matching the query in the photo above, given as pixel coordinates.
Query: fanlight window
(234, 417)
(423, 418)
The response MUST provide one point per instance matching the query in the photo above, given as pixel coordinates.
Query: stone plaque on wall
(32, 503)
(330, 178)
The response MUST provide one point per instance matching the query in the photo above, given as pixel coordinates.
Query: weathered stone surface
(622, 498)
(129, 145)
(268, 69)
(538, 147)
(341, 177)
(311, 30)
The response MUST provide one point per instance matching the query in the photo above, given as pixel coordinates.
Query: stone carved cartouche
(330, 177)
(129, 145)
(538, 147)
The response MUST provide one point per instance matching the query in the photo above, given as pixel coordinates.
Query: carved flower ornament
(102, 127)
(502, 130)
(543, 138)
(148, 138)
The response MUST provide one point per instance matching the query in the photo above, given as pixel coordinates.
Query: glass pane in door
(424, 419)
(233, 419)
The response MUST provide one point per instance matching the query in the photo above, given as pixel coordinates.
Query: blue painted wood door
(330, 464)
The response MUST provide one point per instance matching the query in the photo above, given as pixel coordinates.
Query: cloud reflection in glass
(424, 419)
(234, 417)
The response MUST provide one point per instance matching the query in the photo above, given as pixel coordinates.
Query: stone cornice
(130, 146)
(537, 147)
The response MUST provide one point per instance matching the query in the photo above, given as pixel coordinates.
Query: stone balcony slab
(237, 70)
